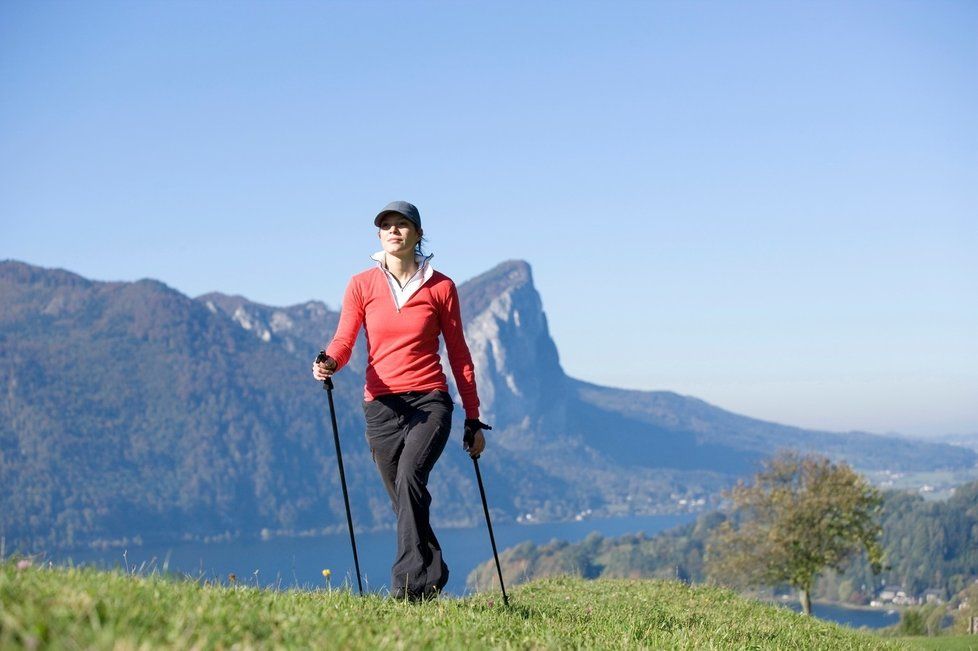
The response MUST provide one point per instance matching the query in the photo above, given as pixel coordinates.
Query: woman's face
(398, 235)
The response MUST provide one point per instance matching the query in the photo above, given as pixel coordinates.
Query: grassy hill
(57, 607)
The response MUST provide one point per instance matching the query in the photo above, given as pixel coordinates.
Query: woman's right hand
(321, 370)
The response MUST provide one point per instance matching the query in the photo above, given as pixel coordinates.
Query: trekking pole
(328, 386)
(492, 538)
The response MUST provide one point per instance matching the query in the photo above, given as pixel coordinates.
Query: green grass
(74, 608)
(944, 642)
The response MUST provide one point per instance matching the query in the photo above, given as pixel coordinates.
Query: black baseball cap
(402, 208)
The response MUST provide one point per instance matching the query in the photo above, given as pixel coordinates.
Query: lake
(290, 562)
(855, 617)
(299, 562)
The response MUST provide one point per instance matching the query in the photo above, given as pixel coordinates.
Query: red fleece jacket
(402, 345)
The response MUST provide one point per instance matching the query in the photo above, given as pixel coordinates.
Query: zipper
(390, 278)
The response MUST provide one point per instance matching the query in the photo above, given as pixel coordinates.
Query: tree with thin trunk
(798, 516)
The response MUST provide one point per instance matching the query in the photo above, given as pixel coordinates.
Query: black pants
(407, 433)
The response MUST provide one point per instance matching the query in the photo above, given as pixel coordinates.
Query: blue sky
(772, 206)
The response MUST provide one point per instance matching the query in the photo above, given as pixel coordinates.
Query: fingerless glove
(472, 425)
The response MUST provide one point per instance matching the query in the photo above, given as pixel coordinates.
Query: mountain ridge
(130, 408)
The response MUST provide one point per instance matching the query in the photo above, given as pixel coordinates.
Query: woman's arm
(351, 320)
(459, 357)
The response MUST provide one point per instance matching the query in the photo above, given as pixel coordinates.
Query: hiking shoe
(430, 593)
(399, 594)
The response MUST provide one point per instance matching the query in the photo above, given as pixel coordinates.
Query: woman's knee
(411, 485)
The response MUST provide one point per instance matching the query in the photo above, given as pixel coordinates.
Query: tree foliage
(799, 516)
(928, 545)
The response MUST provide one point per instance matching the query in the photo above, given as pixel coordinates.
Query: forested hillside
(928, 545)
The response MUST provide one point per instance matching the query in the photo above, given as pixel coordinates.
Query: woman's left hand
(473, 440)
(477, 445)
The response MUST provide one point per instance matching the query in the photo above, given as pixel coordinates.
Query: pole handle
(328, 382)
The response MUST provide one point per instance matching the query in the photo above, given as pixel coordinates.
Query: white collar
(402, 294)
(424, 262)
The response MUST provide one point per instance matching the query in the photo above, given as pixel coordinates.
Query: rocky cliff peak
(478, 292)
(516, 360)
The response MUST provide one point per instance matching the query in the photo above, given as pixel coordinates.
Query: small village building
(896, 594)
(934, 596)
(889, 592)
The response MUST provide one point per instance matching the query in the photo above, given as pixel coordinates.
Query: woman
(404, 304)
